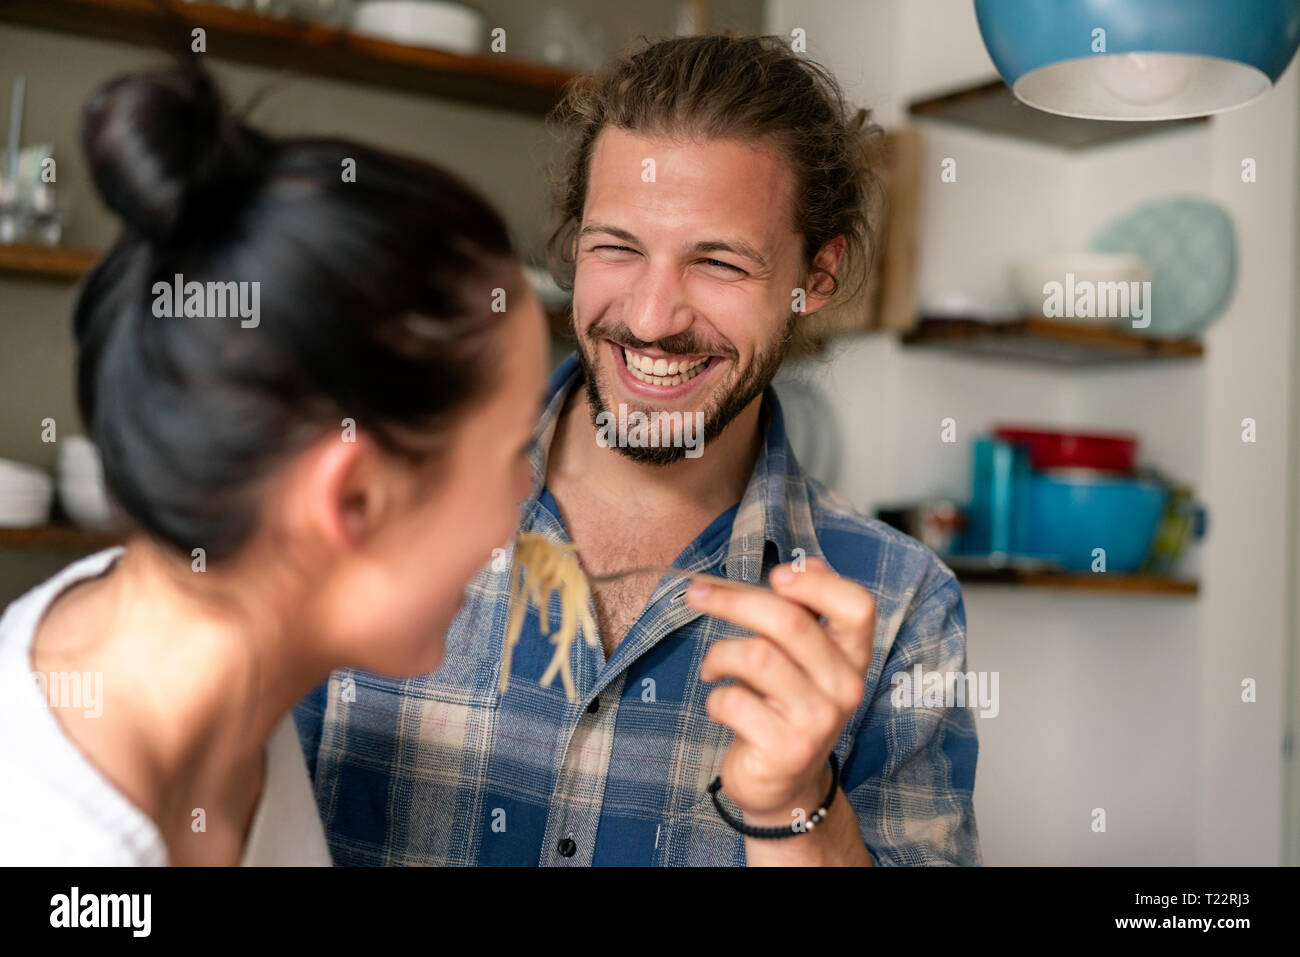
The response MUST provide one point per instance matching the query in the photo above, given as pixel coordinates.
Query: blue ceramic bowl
(1067, 516)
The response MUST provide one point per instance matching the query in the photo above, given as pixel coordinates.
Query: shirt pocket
(448, 718)
(470, 680)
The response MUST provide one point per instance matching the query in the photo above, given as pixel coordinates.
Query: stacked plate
(81, 483)
(26, 494)
(422, 23)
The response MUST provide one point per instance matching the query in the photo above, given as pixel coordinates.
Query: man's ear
(825, 265)
(345, 490)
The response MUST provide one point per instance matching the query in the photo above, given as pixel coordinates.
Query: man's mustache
(682, 344)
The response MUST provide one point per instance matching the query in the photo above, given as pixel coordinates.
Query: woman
(318, 445)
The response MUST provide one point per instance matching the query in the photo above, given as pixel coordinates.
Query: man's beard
(717, 416)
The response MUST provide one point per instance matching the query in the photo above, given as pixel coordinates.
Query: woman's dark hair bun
(319, 298)
(156, 141)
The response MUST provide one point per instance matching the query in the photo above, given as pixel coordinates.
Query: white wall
(1127, 703)
(1246, 571)
(1291, 855)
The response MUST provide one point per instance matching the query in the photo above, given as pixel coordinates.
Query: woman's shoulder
(20, 618)
(55, 807)
(42, 825)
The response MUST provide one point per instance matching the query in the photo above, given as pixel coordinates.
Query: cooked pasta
(543, 568)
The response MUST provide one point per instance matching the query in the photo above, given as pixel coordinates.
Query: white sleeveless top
(57, 808)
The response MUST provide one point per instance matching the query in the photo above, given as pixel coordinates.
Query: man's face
(685, 274)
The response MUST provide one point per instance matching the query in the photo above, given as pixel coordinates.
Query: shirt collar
(775, 508)
(775, 515)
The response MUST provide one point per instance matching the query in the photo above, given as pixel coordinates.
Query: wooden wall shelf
(57, 263)
(1082, 581)
(316, 49)
(69, 263)
(1053, 341)
(57, 538)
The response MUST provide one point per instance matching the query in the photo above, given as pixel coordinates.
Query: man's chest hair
(611, 539)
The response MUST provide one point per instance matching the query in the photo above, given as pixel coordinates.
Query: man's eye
(719, 264)
(621, 249)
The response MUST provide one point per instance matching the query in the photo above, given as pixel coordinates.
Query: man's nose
(658, 307)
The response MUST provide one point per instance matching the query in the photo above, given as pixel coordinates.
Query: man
(713, 199)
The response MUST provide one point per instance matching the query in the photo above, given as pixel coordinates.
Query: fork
(694, 576)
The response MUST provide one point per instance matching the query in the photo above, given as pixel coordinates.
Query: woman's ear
(345, 489)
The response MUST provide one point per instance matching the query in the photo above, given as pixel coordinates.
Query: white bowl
(1032, 275)
(21, 477)
(422, 23)
(87, 504)
(23, 508)
(82, 491)
(77, 453)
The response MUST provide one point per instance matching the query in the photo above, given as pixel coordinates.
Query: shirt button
(567, 847)
(594, 706)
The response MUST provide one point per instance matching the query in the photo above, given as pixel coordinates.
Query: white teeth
(662, 372)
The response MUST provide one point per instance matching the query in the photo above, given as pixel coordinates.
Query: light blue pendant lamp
(1139, 59)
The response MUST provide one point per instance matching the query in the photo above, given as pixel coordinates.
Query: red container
(1074, 450)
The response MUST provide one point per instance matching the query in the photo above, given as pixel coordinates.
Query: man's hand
(796, 684)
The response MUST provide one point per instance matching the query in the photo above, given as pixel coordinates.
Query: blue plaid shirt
(438, 769)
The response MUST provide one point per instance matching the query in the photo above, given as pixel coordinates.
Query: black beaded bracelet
(772, 833)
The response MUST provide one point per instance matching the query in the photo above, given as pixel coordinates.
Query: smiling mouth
(664, 371)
